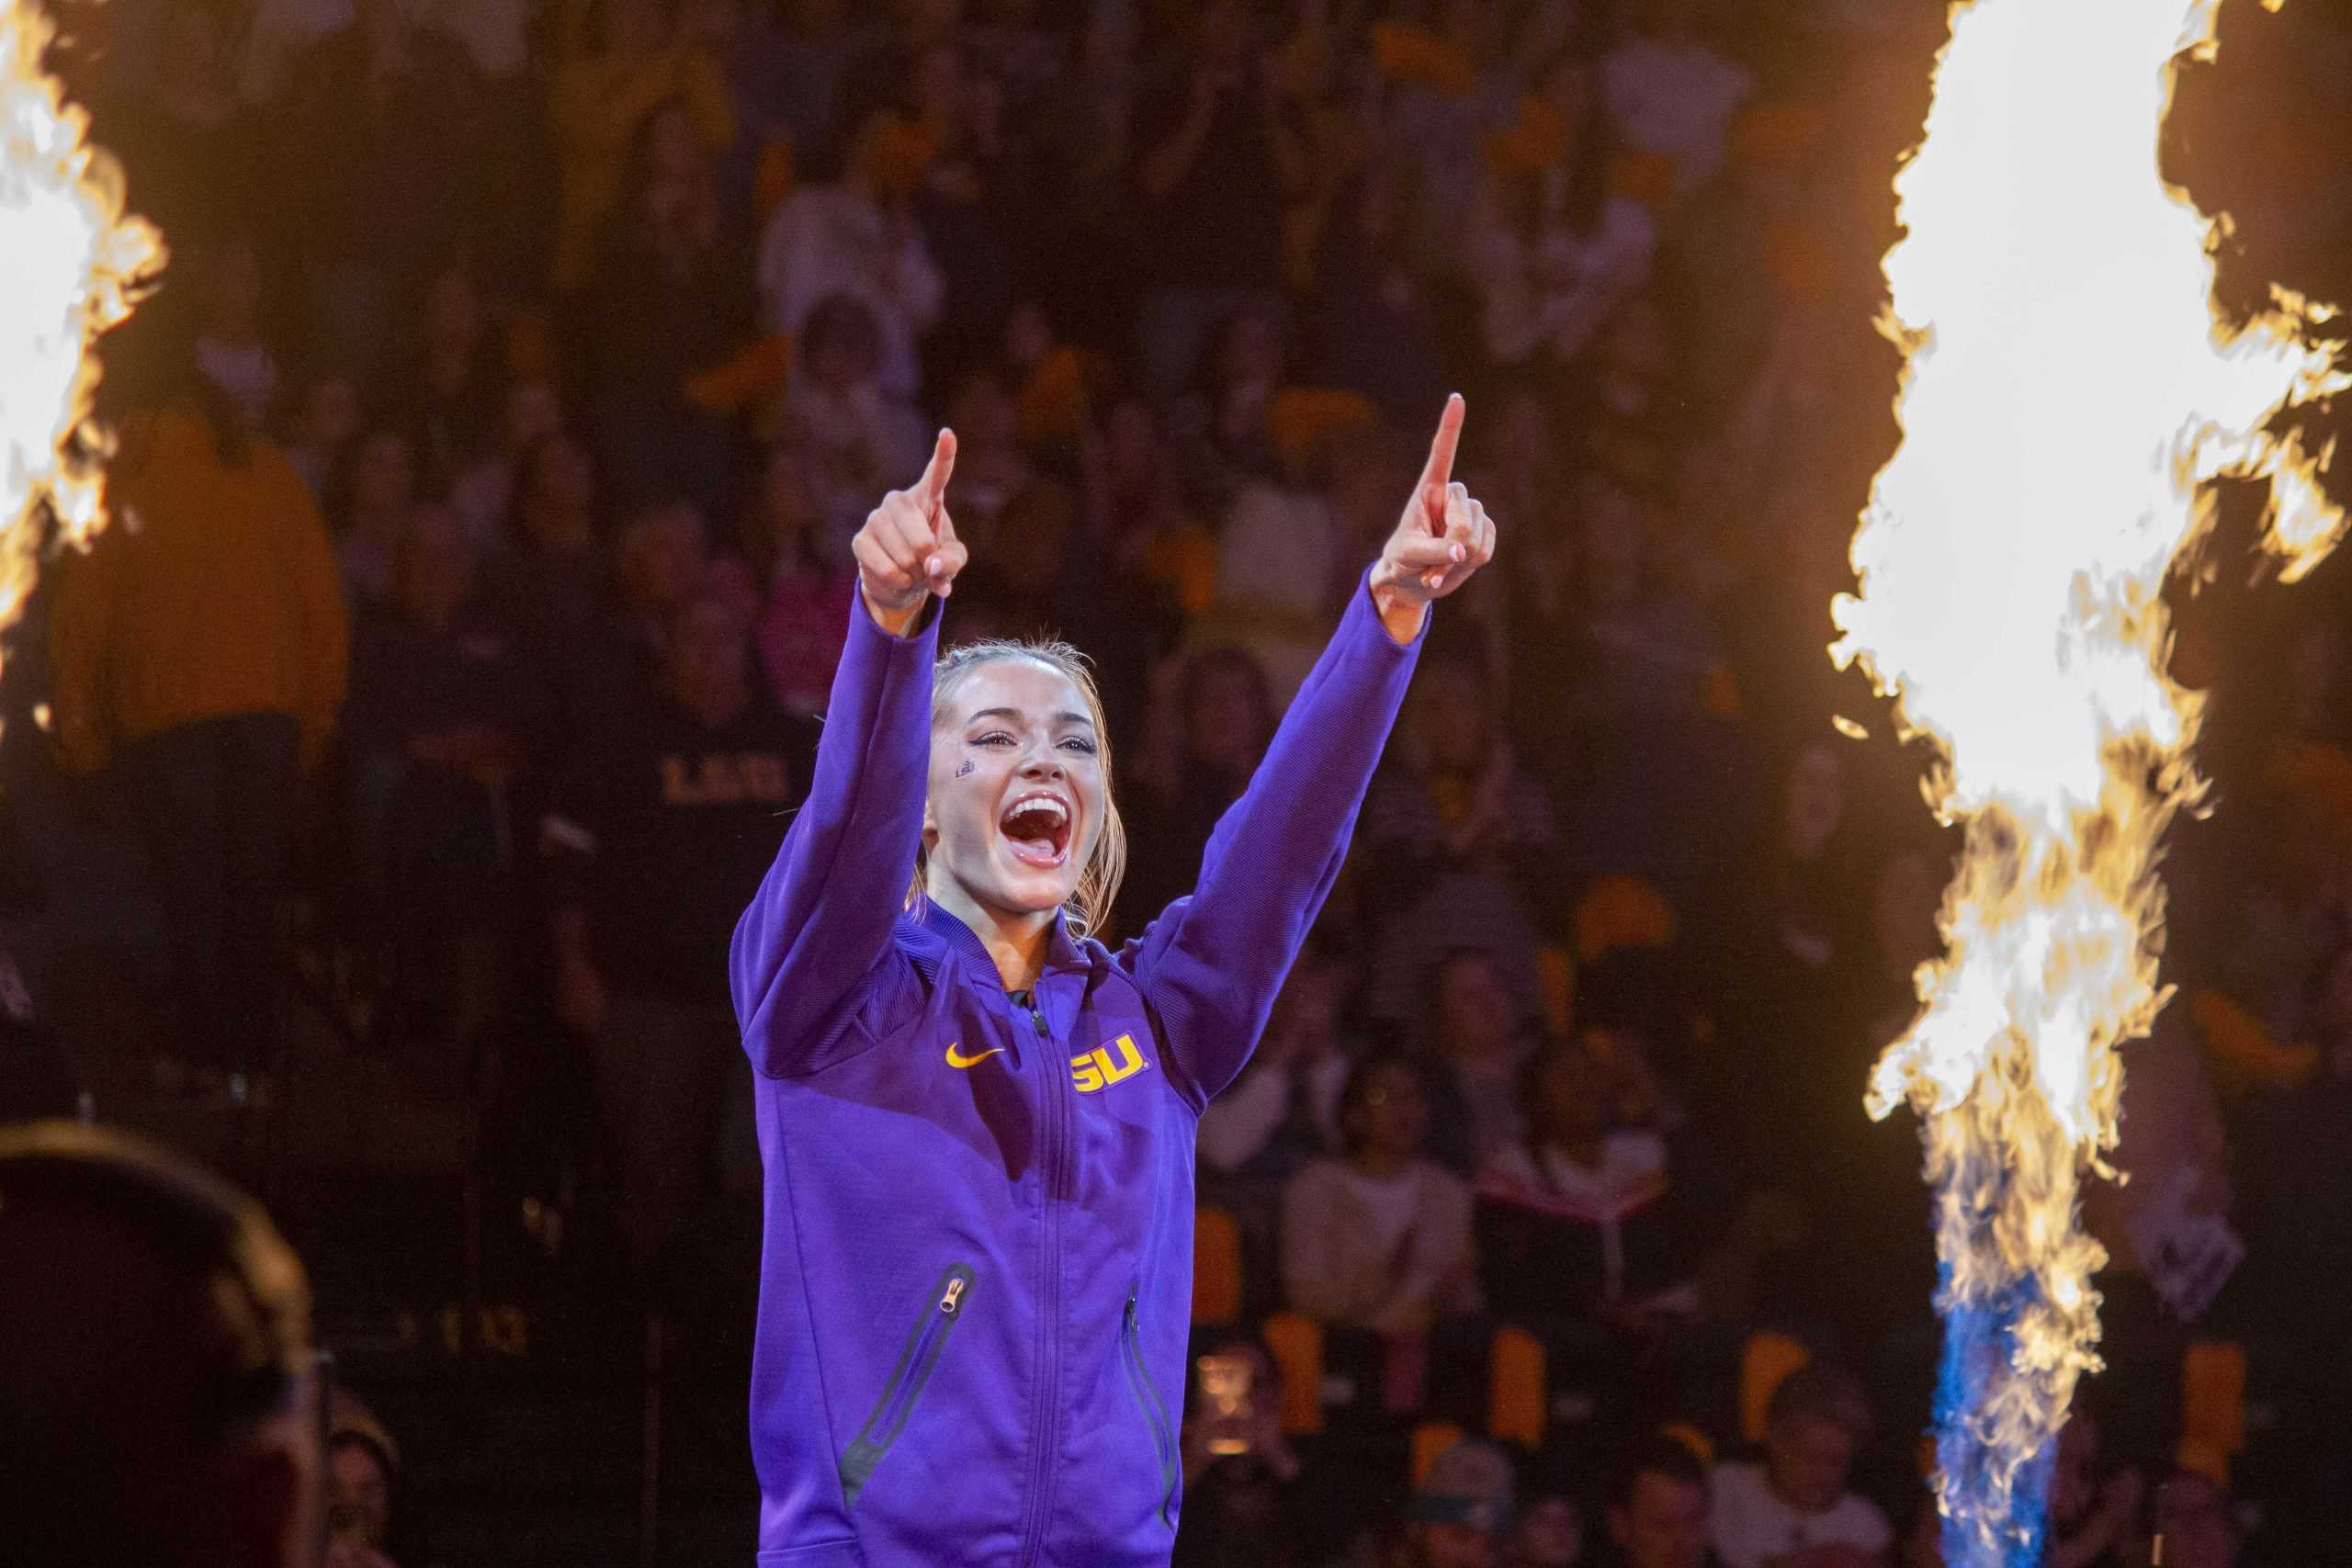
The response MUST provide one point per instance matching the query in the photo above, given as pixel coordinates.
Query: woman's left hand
(1442, 537)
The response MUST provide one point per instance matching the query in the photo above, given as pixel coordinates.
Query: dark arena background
(492, 441)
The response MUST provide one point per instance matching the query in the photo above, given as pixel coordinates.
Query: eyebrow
(1016, 714)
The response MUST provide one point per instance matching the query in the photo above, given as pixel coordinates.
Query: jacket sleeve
(1211, 963)
(819, 926)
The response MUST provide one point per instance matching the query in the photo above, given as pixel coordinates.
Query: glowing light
(2067, 396)
(69, 262)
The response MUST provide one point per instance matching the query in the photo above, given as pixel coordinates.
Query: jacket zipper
(926, 1342)
(1044, 1409)
(1139, 1383)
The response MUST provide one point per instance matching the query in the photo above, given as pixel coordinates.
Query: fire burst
(2068, 395)
(69, 262)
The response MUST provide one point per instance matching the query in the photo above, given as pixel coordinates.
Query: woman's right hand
(908, 549)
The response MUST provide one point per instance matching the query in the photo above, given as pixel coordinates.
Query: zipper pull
(1039, 1019)
(1131, 1291)
(954, 1294)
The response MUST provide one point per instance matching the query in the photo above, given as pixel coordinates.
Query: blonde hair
(1098, 881)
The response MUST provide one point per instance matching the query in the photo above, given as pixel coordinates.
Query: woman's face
(1016, 798)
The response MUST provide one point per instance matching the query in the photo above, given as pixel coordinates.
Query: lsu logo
(1096, 1069)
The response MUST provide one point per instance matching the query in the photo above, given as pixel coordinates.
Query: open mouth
(1036, 826)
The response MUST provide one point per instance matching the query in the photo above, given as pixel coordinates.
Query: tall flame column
(69, 260)
(2068, 395)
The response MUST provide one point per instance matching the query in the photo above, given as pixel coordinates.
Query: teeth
(1046, 805)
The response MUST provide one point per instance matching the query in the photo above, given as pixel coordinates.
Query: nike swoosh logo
(960, 1062)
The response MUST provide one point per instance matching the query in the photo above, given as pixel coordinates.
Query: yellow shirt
(213, 592)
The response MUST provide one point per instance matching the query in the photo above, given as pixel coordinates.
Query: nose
(1043, 763)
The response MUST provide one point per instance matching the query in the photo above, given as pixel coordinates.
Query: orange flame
(2068, 393)
(69, 263)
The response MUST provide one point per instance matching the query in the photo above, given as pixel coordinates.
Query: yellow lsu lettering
(1096, 1069)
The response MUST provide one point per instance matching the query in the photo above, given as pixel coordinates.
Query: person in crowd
(232, 345)
(325, 418)
(1241, 1477)
(672, 298)
(662, 823)
(1552, 252)
(203, 654)
(1217, 155)
(1581, 1215)
(1375, 326)
(1462, 1511)
(366, 1525)
(2094, 1506)
(857, 237)
(530, 412)
(445, 712)
(666, 561)
(838, 412)
(1551, 1529)
(975, 195)
(1672, 95)
(1220, 426)
(1210, 719)
(1658, 1506)
(2196, 1523)
(1455, 803)
(1154, 535)
(781, 537)
(1476, 1040)
(189, 145)
(159, 1400)
(784, 64)
(990, 459)
(1285, 1108)
(553, 582)
(1380, 1238)
(1283, 521)
(447, 391)
(382, 128)
(618, 62)
(1793, 1509)
(990, 775)
(368, 507)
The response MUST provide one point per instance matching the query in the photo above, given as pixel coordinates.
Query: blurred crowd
(486, 461)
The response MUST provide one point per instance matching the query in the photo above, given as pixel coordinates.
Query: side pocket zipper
(1147, 1396)
(903, 1389)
